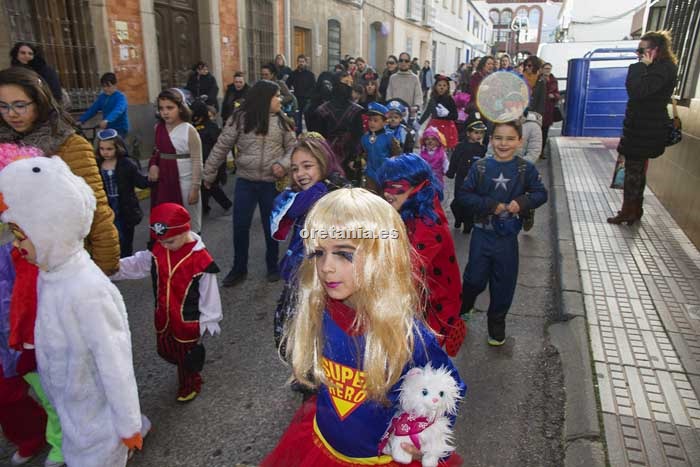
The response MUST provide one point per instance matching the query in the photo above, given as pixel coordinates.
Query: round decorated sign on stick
(502, 96)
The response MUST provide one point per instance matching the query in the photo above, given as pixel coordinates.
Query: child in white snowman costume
(82, 338)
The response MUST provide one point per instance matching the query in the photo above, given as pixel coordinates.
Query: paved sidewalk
(641, 289)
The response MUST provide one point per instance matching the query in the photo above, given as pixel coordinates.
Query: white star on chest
(501, 181)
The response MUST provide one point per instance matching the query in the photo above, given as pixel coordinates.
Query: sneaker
(273, 276)
(18, 459)
(49, 463)
(233, 278)
(188, 398)
(458, 224)
(495, 342)
(466, 317)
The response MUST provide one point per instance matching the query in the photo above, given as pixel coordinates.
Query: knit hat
(432, 132)
(169, 220)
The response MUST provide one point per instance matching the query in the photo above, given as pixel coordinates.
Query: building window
(63, 32)
(260, 35)
(445, 4)
(495, 17)
(683, 20)
(506, 17)
(534, 26)
(333, 43)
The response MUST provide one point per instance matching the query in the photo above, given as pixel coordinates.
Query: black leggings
(635, 179)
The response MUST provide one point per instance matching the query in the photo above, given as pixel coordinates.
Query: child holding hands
(187, 294)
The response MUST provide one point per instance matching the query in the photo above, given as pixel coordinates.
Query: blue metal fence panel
(596, 97)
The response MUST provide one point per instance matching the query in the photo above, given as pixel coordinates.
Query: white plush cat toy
(428, 396)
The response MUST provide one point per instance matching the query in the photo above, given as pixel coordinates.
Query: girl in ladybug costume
(409, 186)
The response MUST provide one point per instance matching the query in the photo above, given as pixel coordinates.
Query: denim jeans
(246, 195)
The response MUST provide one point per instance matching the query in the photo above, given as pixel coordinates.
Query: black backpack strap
(481, 168)
(522, 168)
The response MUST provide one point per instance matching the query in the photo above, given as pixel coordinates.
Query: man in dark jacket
(235, 93)
(301, 82)
(202, 83)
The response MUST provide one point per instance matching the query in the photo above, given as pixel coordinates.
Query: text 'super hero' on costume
(345, 420)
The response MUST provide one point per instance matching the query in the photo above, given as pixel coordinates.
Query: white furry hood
(50, 204)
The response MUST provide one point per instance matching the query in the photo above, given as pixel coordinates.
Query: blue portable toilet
(596, 97)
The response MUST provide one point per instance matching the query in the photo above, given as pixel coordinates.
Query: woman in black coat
(650, 84)
(203, 83)
(28, 55)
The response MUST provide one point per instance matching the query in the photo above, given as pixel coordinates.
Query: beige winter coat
(256, 153)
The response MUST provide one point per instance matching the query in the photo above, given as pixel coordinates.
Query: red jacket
(552, 87)
(440, 272)
(176, 276)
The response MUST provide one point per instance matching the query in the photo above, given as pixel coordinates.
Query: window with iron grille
(62, 29)
(333, 43)
(683, 20)
(260, 36)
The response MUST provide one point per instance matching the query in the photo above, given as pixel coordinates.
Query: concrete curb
(583, 437)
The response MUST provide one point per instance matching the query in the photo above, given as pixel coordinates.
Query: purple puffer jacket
(8, 357)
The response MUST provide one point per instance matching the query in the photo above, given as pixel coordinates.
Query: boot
(630, 213)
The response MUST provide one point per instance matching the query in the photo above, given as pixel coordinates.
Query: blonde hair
(662, 41)
(386, 298)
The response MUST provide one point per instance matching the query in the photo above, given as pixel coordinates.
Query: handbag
(557, 115)
(675, 133)
(618, 179)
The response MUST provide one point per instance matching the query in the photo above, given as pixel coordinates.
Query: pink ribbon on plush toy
(405, 425)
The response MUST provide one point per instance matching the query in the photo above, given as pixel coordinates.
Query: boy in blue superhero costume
(499, 191)
(377, 144)
(396, 125)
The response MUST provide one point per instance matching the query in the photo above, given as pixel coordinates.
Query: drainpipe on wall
(288, 32)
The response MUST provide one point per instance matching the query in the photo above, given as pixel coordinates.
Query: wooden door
(302, 44)
(177, 34)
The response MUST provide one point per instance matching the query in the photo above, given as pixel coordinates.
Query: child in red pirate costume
(356, 333)
(187, 293)
(409, 186)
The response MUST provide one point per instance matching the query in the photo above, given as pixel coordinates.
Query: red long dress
(167, 188)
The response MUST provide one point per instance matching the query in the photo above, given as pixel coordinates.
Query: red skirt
(301, 446)
(447, 128)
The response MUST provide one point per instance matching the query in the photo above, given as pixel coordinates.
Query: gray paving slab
(641, 294)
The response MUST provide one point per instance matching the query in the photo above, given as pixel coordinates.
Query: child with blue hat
(396, 125)
(377, 144)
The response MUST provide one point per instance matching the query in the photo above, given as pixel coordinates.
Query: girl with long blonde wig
(385, 300)
(357, 331)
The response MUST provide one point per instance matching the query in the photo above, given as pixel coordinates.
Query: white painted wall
(595, 20)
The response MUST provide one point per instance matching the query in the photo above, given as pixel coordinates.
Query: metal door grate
(683, 20)
(63, 31)
(260, 36)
